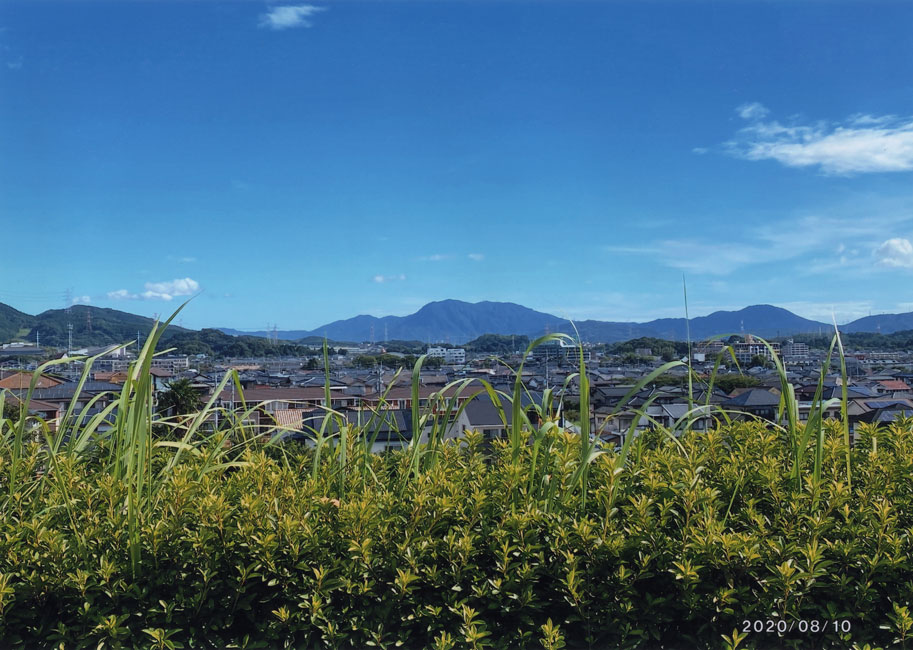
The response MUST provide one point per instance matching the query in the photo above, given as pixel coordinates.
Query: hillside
(883, 323)
(13, 323)
(93, 326)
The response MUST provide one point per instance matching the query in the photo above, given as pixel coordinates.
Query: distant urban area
(285, 384)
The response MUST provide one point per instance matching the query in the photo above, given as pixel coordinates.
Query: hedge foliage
(675, 549)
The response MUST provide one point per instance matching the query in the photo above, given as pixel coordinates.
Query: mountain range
(455, 321)
(452, 321)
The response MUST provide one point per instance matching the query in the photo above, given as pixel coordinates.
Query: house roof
(893, 384)
(21, 381)
(754, 397)
(68, 390)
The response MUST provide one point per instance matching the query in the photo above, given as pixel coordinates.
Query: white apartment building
(450, 356)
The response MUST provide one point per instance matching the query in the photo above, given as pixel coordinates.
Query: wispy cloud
(380, 279)
(859, 144)
(818, 242)
(122, 294)
(476, 257)
(159, 290)
(288, 16)
(437, 257)
(81, 300)
(895, 252)
(752, 111)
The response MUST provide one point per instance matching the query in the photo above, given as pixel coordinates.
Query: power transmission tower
(66, 309)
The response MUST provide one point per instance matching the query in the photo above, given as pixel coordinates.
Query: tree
(759, 360)
(312, 364)
(181, 398)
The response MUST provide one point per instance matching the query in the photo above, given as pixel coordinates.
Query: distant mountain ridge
(91, 326)
(455, 321)
(452, 321)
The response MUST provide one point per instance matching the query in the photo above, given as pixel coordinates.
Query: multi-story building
(795, 351)
(450, 356)
(751, 348)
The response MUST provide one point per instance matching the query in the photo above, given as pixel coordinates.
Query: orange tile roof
(893, 384)
(22, 380)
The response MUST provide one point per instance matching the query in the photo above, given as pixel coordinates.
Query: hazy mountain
(446, 320)
(457, 321)
(762, 320)
(283, 335)
(883, 323)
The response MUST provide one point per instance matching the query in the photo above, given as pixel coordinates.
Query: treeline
(860, 340)
(217, 344)
(501, 344)
(667, 350)
(393, 361)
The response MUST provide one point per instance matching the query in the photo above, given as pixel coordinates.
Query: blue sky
(298, 163)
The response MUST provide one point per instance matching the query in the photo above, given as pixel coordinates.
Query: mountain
(456, 321)
(92, 326)
(883, 323)
(453, 321)
(765, 321)
(13, 323)
(283, 335)
(446, 320)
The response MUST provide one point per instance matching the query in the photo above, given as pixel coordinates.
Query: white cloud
(288, 16)
(476, 257)
(437, 257)
(159, 290)
(168, 290)
(861, 144)
(380, 279)
(700, 150)
(752, 111)
(81, 300)
(895, 252)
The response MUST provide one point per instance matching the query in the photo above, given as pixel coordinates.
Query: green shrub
(675, 553)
